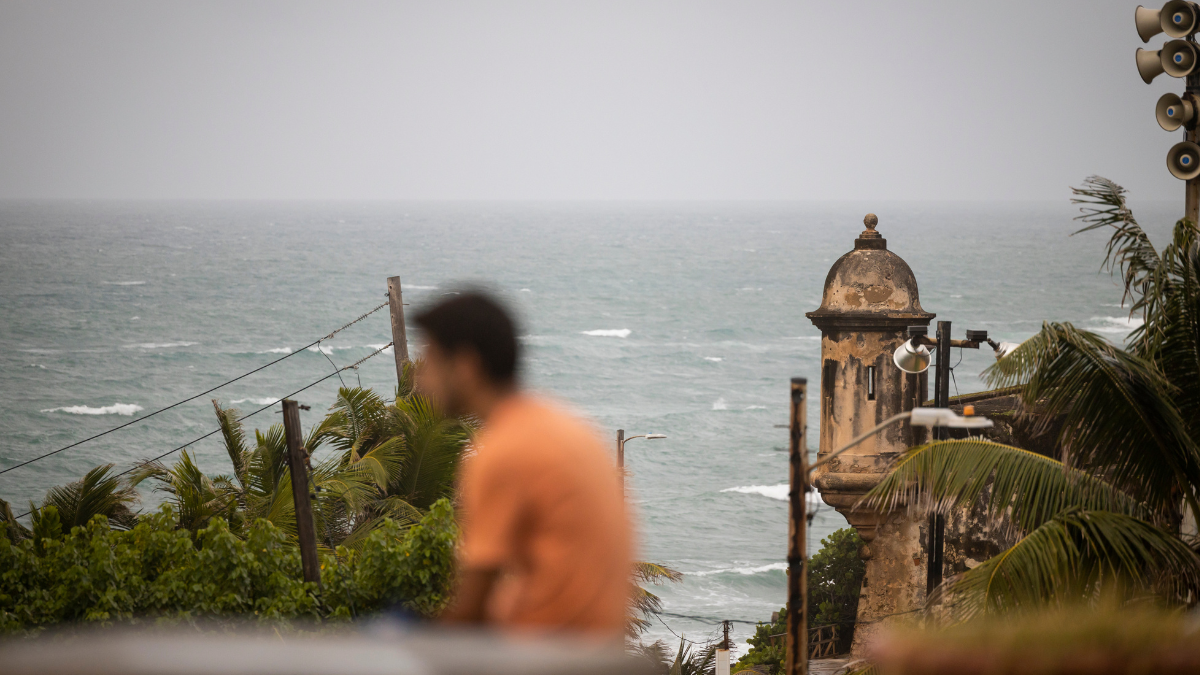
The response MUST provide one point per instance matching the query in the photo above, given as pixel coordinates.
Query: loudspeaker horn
(1178, 18)
(911, 358)
(1148, 22)
(1183, 160)
(1149, 64)
(1179, 58)
(1173, 112)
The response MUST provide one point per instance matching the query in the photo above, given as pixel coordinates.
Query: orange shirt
(542, 503)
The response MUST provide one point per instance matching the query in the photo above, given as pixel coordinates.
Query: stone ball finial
(870, 221)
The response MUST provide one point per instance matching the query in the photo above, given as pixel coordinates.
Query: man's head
(470, 355)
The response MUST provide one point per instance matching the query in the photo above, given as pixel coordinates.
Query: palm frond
(1118, 412)
(655, 573)
(945, 475)
(1103, 205)
(1069, 557)
(234, 439)
(97, 493)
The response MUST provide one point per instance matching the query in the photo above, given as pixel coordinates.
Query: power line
(193, 398)
(248, 415)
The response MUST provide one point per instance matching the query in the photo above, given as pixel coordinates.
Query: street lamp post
(621, 440)
(797, 609)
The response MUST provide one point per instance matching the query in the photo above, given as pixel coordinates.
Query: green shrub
(156, 572)
(835, 577)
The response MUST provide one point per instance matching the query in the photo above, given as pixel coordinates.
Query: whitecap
(255, 401)
(618, 332)
(134, 318)
(278, 350)
(125, 283)
(773, 567)
(779, 492)
(328, 351)
(37, 365)
(714, 359)
(526, 290)
(380, 345)
(1117, 325)
(160, 345)
(720, 404)
(756, 407)
(126, 409)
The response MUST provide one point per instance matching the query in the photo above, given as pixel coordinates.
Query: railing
(822, 641)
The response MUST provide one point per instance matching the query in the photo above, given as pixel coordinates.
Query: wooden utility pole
(797, 557)
(621, 457)
(399, 336)
(305, 526)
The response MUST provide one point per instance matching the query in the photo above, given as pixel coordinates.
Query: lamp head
(655, 436)
(945, 417)
(911, 358)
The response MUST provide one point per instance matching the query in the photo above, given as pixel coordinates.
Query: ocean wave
(126, 409)
(255, 401)
(328, 351)
(720, 404)
(380, 345)
(756, 407)
(37, 365)
(617, 332)
(1117, 325)
(160, 345)
(714, 359)
(525, 290)
(278, 350)
(773, 567)
(779, 492)
(125, 283)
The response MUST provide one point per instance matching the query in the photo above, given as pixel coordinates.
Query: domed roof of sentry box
(870, 287)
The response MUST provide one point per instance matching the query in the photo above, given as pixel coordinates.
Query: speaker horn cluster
(1177, 19)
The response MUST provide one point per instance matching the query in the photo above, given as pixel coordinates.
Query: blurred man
(546, 543)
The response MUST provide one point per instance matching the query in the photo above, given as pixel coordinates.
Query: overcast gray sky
(746, 99)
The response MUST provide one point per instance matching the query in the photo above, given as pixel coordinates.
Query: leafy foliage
(158, 572)
(835, 575)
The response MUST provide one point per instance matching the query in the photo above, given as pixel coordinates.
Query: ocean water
(681, 319)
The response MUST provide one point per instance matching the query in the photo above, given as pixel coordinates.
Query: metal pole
(797, 558)
(941, 399)
(399, 336)
(305, 527)
(621, 457)
(1192, 187)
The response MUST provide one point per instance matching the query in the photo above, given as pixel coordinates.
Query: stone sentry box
(869, 301)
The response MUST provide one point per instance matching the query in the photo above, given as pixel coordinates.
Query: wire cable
(243, 417)
(193, 398)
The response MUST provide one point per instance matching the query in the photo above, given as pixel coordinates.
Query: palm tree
(1106, 515)
(97, 493)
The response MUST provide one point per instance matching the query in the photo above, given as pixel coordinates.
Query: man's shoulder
(527, 421)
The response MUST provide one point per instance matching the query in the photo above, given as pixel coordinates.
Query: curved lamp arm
(924, 417)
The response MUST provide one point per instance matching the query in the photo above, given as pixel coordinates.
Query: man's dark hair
(474, 320)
